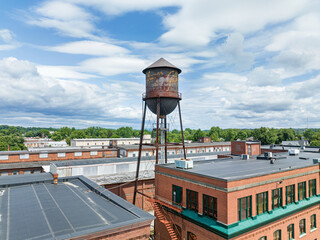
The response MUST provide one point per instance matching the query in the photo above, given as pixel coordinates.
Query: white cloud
(62, 72)
(24, 88)
(116, 7)
(264, 77)
(114, 65)
(198, 22)
(67, 18)
(6, 35)
(234, 54)
(8, 38)
(298, 48)
(90, 48)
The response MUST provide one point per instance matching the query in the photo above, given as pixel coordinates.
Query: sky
(78, 63)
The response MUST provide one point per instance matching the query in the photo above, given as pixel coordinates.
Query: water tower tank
(162, 83)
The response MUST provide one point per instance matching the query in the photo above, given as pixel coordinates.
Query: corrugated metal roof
(72, 208)
(161, 63)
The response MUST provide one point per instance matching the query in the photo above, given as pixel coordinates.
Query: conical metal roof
(161, 63)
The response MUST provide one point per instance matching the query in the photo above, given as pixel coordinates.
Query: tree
(242, 135)
(308, 134)
(197, 134)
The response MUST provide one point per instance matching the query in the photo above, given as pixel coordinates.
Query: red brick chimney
(55, 178)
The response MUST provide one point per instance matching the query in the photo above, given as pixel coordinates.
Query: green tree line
(12, 136)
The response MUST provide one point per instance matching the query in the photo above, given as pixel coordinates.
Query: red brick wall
(241, 147)
(126, 190)
(263, 150)
(34, 157)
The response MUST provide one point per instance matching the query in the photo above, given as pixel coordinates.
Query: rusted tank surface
(162, 84)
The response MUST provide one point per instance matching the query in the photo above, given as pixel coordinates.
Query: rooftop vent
(268, 155)
(245, 156)
(184, 163)
(294, 151)
(316, 160)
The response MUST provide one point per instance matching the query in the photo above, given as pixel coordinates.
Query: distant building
(301, 143)
(43, 142)
(32, 161)
(44, 207)
(204, 139)
(250, 148)
(273, 196)
(133, 150)
(86, 142)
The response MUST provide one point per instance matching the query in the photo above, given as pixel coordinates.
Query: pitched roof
(161, 63)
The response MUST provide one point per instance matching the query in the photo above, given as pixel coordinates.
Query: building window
(93, 153)
(277, 235)
(290, 194)
(302, 227)
(61, 154)
(15, 173)
(191, 236)
(176, 195)
(276, 198)
(133, 155)
(43, 155)
(147, 154)
(24, 156)
(244, 207)
(209, 206)
(302, 193)
(192, 200)
(263, 238)
(262, 202)
(312, 188)
(77, 154)
(313, 222)
(177, 230)
(290, 230)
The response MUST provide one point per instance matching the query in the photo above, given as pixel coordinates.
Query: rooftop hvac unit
(245, 156)
(294, 151)
(184, 164)
(316, 160)
(268, 154)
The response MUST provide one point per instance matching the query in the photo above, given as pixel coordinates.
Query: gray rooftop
(128, 159)
(187, 145)
(74, 207)
(231, 169)
(161, 62)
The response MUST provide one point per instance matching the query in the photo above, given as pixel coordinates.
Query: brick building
(20, 162)
(118, 174)
(33, 207)
(202, 147)
(250, 148)
(237, 199)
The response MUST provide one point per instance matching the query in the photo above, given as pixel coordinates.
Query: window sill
(313, 229)
(302, 235)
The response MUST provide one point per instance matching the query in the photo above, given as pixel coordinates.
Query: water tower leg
(157, 135)
(165, 140)
(139, 155)
(182, 138)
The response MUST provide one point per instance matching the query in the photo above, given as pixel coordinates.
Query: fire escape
(165, 218)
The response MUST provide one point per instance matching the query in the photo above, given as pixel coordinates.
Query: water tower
(162, 97)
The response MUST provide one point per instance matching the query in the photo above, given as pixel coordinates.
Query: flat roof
(55, 150)
(187, 145)
(128, 159)
(231, 169)
(35, 208)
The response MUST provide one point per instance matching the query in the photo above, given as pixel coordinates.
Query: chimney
(55, 178)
